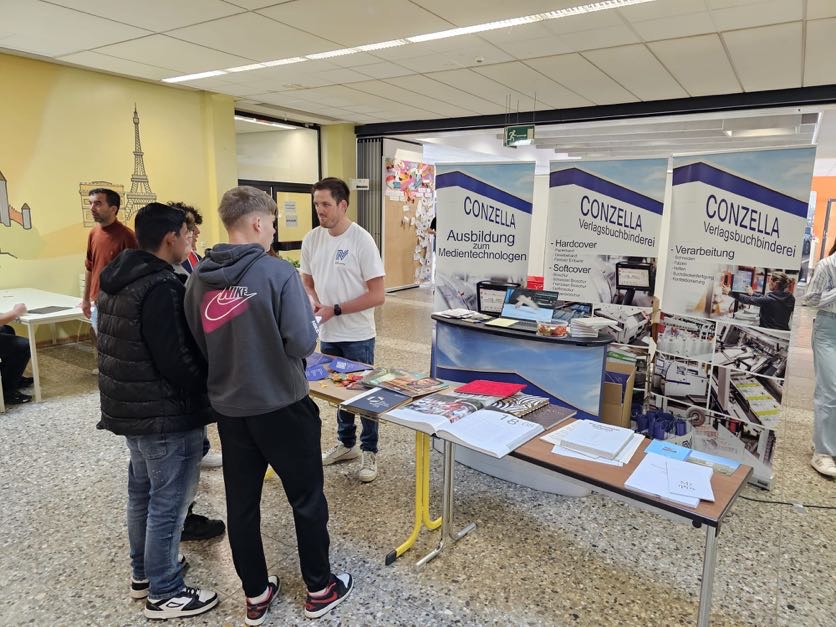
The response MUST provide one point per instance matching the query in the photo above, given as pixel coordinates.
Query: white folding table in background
(66, 308)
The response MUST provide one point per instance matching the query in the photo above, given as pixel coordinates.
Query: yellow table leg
(429, 524)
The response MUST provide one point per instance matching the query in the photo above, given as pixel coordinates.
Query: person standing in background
(821, 293)
(106, 239)
(343, 275)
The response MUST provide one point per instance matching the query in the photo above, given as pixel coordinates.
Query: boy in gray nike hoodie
(251, 317)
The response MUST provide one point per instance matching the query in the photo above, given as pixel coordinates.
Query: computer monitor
(490, 295)
(742, 280)
(633, 276)
(534, 305)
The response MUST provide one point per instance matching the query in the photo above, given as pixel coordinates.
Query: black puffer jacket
(152, 377)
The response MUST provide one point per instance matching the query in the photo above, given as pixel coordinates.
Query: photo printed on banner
(758, 351)
(681, 379)
(686, 337)
(634, 323)
(746, 397)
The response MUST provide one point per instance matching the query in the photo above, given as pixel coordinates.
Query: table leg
(428, 523)
(33, 359)
(447, 507)
(707, 586)
(422, 508)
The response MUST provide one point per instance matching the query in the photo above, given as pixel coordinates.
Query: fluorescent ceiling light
(193, 77)
(592, 7)
(761, 132)
(286, 127)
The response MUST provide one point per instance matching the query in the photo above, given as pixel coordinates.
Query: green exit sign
(519, 135)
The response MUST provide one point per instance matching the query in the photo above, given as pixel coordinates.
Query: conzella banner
(483, 226)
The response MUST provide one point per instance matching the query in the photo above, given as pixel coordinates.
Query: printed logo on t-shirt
(339, 258)
(221, 306)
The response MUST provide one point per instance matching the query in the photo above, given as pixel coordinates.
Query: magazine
(374, 402)
(520, 404)
(465, 422)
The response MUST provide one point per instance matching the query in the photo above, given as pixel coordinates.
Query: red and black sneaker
(336, 592)
(257, 612)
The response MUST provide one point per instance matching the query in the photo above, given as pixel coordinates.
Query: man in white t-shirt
(343, 274)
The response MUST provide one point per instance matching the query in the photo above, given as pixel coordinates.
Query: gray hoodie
(253, 321)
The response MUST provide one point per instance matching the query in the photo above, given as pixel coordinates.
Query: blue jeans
(162, 480)
(362, 351)
(824, 396)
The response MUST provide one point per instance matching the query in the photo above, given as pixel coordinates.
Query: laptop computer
(528, 307)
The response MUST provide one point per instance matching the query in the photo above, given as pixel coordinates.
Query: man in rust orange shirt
(106, 240)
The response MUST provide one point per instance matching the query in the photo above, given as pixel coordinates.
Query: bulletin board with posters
(408, 209)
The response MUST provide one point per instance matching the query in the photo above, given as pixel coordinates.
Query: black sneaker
(187, 602)
(16, 398)
(257, 612)
(25, 382)
(139, 587)
(336, 592)
(197, 527)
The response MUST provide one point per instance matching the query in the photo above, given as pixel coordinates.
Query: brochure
(374, 402)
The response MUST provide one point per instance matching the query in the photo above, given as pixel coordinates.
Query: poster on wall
(483, 226)
(735, 247)
(602, 237)
(408, 209)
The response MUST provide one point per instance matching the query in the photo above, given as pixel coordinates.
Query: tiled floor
(534, 559)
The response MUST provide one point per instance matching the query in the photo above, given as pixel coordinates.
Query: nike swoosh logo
(224, 305)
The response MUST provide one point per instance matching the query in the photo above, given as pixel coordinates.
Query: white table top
(35, 299)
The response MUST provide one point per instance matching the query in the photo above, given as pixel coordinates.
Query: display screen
(633, 277)
(525, 304)
(491, 300)
(742, 281)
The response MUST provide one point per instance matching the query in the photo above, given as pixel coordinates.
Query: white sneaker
(339, 454)
(824, 464)
(212, 460)
(368, 467)
(187, 602)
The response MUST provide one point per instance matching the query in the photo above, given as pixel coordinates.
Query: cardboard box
(617, 400)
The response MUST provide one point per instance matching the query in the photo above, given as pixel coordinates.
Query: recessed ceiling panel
(608, 37)
(356, 22)
(820, 8)
(168, 52)
(638, 71)
(470, 12)
(820, 54)
(712, 75)
(412, 98)
(253, 36)
(583, 78)
(104, 62)
(768, 57)
(384, 69)
(675, 26)
(661, 10)
(523, 79)
(734, 15)
(483, 87)
(444, 93)
(156, 15)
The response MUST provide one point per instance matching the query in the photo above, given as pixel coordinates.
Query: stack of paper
(672, 480)
(624, 455)
(597, 438)
(589, 327)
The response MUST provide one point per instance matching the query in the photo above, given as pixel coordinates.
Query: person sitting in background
(152, 384)
(821, 293)
(14, 355)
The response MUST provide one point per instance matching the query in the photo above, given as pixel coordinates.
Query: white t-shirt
(340, 267)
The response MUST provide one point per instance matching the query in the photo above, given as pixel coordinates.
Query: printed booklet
(410, 383)
(465, 422)
(374, 402)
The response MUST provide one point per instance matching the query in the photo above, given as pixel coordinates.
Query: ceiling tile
(440, 91)
(638, 71)
(660, 10)
(156, 15)
(608, 37)
(465, 48)
(584, 22)
(430, 63)
(104, 62)
(731, 16)
(528, 48)
(357, 22)
(819, 68)
(712, 75)
(483, 87)
(523, 79)
(23, 27)
(675, 26)
(469, 12)
(820, 8)
(383, 69)
(412, 98)
(252, 5)
(165, 51)
(583, 78)
(254, 37)
(768, 57)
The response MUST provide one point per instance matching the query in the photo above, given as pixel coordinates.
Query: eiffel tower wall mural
(140, 193)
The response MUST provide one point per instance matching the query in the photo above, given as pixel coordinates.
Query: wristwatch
(338, 311)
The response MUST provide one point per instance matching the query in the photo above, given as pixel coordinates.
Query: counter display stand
(568, 371)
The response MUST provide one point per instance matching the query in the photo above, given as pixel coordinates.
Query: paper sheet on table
(690, 480)
(624, 456)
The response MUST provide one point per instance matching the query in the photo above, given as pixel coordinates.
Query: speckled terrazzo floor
(534, 559)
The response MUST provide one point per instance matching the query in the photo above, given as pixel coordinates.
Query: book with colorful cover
(519, 404)
(413, 385)
(374, 402)
(465, 422)
(492, 388)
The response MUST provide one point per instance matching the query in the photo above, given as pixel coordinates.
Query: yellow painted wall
(61, 126)
(339, 155)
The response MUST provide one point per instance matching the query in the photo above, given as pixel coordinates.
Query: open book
(465, 422)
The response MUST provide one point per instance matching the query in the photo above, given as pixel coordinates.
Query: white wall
(281, 156)
(539, 216)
